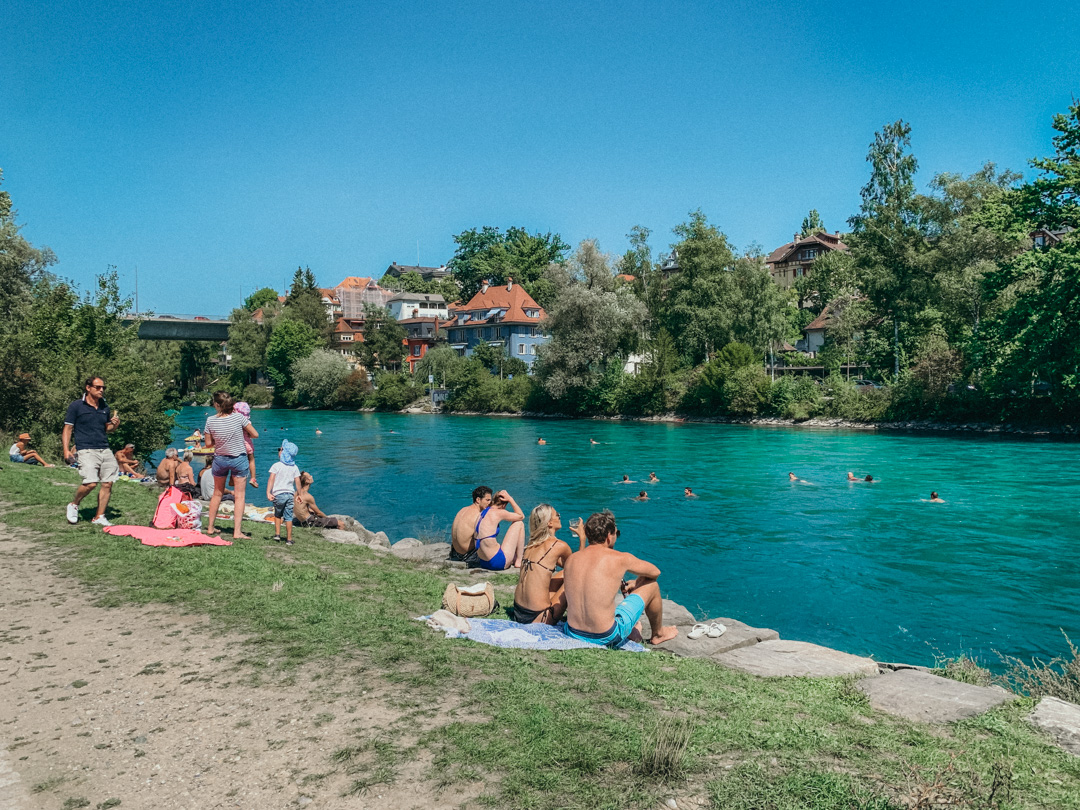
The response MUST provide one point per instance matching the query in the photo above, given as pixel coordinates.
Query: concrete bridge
(178, 328)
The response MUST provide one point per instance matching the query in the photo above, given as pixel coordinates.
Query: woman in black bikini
(539, 596)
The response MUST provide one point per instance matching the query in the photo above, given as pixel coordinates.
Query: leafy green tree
(304, 304)
(888, 240)
(490, 255)
(383, 346)
(811, 224)
(393, 391)
(438, 362)
(737, 355)
(833, 275)
(648, 280)
(261, 298)
(246, 346)
(318, 377)
(196, 358)
(290, 341)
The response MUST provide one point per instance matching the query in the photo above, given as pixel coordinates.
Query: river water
(866, 568)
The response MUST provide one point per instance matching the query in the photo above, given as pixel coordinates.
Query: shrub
(1059, 677)
(257, 395)
(745, 391)
(392, 391)
(795, 397)
(353, 392)
(318, 376)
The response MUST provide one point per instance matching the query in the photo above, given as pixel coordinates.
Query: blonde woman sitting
(539, 597)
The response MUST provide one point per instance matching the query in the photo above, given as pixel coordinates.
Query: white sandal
(698, 630)
(716, 630)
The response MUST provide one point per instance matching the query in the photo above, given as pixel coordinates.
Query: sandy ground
(154, 709)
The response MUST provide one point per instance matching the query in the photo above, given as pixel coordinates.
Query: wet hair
(224, 401)
(625, 477)
(188, 455)
(599, 526)
(869, 478)
(539, 519)
(170, 452)
(480, 492)
(90, 381)
(933, 495)
(687, 489)
(641, 494)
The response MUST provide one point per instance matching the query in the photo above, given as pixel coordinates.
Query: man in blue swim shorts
(593, 578)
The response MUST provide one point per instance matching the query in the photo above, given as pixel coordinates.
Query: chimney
(510, 283)
(483, 288)
(795, 238)
(838, 233)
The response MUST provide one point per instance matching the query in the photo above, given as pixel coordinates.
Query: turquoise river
(866, 568)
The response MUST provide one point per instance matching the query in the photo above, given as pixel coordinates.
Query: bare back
(538, 564)
(184, 473)
(592, 578)
(461, 532)
(166, 471)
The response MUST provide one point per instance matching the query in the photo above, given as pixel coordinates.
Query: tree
(318, 377)
(260, 298)
(290, 341)
(383, 346)
(833, 275)
(304, 304)
(196, 358)
(811, 224)
(489, 255)
(888, 239)
(737, 355)
(438, 362)
(648, 280)
(246, 346)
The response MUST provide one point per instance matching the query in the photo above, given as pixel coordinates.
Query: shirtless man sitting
(126, 461)
(166, 470)
(593, 576)
(489, 553)
(463, 530)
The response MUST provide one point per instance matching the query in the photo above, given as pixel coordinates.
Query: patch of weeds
(156, 668)
(74, 803)
(752, 786)
(322, 719)
(108, 803)
(80, 684)
(663, 749)
(52, 783)
(242, 724)
(847, 692)
(1059, 677)
(963, 668)
(275, 745)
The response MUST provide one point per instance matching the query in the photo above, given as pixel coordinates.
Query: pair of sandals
(701, 630)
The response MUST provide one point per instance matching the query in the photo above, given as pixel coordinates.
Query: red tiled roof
(626, 277)
(514, 300)
(827, 240)
(821, 321)
(355, 281)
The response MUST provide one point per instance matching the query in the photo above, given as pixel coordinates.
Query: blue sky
(219, 146)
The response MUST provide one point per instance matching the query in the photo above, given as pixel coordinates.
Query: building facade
(796, 258)
(505, 316)
(405, 305)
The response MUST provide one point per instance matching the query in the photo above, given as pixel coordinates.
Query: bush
(318, 376)
(393, 391)
(795, 397)
(257, 395)
(354, 391)
(745, 391)
(1060, 677)
(849, 403)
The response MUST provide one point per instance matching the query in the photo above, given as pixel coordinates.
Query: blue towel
(505, 633)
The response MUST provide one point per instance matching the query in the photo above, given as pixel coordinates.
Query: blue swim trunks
(496, 563)
(627, 614)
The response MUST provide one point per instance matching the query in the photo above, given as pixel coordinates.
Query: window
(487, 333)
(798, 272)
(416, 351)
(521, 348)
(500, 332)
(532, 348)
(1040, 241)
(532, 331)
(808, 253)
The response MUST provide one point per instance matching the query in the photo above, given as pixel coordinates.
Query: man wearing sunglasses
(88, 422)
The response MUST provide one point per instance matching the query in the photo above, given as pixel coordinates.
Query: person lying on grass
(539, 596)
(593, 577)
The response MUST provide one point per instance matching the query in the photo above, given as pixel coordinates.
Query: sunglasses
(558, 516)
(99, 387)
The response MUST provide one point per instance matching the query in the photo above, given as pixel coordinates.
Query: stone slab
(406, 542)
(738, 635)
(342, 536)
(928, 698)
(431, 552)
(1061, 720)
(779, 658)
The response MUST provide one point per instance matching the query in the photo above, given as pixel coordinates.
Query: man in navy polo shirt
(88, 423)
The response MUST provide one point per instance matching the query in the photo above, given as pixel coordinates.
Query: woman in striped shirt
(224, 433)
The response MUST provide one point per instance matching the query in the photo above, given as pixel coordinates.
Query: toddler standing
(281, 489)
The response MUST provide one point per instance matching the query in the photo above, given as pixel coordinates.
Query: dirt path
(151, 708)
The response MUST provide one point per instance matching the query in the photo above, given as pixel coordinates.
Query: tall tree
(260, 298)
(811, 224)
(290, 341)
(490, 255)
(383, 346)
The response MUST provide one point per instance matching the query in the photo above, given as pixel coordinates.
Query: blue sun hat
(288, 453)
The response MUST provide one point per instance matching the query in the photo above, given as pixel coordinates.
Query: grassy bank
(582, 729)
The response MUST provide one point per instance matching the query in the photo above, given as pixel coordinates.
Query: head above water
(688, 491)
(626, 478)
(481, 493)
(933, 496)
(599, 527)
(869, 478)
(642, 494)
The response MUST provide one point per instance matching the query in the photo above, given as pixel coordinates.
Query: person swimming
(689, 493)
(653, 479)
(935, 499)
(541, 441)
(642, 496)
(593, 441)
(626, 480)
(851, 477)
(318, 432)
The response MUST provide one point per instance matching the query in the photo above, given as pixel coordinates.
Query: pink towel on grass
(173, 538)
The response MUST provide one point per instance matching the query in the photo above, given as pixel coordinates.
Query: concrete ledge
(772, 659)
(927, 698)
(1061, 720)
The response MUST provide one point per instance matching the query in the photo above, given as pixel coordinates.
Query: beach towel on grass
(505, 633)
(171, 538)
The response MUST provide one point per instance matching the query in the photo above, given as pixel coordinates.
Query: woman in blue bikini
(490, 554)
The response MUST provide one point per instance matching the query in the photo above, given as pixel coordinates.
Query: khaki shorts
(97, 466)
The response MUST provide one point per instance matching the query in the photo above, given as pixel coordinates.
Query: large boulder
(928, 698)
(406, 542)
(1061, 720)
(379, 540)
(771, 659)
(429, 552)
(342, 536)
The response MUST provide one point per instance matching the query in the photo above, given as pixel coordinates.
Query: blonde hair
(539, 520)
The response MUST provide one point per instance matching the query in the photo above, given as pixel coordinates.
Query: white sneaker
(72, 513)
(101, 521)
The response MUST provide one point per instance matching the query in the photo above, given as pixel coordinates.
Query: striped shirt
(228, 433)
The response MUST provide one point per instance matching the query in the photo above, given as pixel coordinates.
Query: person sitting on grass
(20, 452)
(463, 529)
(593, 578)
(307, 511)
(166, 470)
(127, 462)
(206, 482)
(539, 584)
(281, 489)
(489, 553)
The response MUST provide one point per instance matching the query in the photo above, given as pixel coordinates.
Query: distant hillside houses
(796, 258)
(504, 316)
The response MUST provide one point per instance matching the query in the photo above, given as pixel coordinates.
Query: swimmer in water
(626, 480)
(689, 493)
(653, 479)
(318, 432)
(869, 479)
(642, 496)
(796, 480)
(541, 441)
(935, 499)
(593, 441)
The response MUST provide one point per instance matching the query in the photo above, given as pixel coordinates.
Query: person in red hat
(21, 453)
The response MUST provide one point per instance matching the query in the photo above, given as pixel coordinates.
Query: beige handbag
(471, 601)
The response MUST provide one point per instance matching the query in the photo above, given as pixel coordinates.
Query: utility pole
(136, 289)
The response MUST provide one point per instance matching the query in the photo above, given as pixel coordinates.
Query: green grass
(580, 729)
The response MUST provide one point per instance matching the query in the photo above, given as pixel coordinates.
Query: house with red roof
(796, 258)
(504, 316)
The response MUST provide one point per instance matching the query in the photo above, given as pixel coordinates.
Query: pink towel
(173, 538)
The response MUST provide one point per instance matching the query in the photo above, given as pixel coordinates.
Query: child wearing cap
(281, 489)
(249, 448)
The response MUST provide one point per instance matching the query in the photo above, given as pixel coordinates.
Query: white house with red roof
(504, 316)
